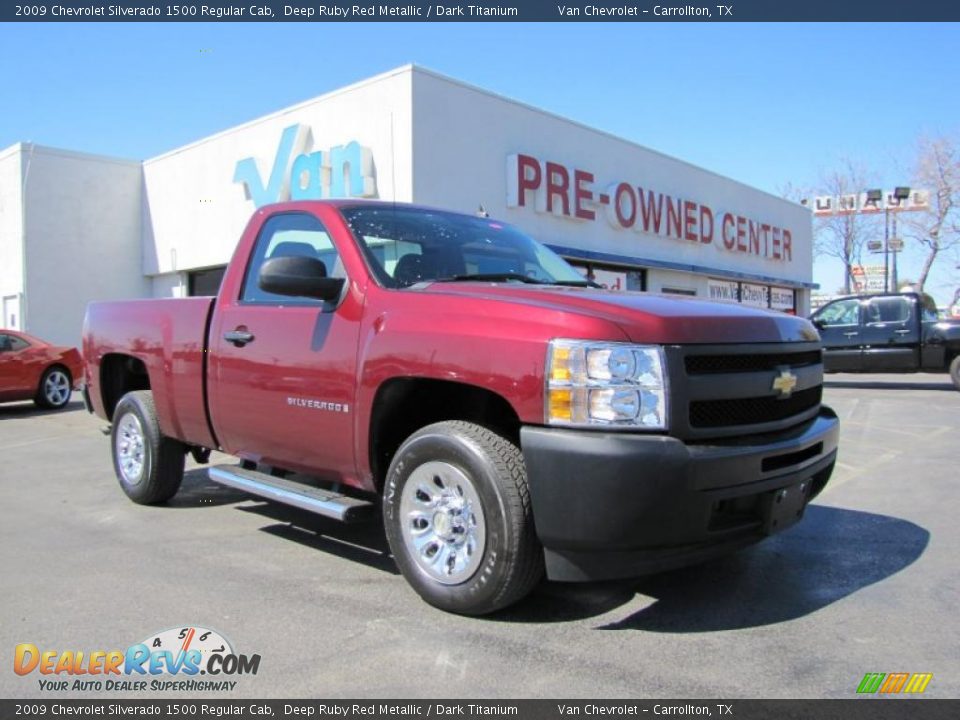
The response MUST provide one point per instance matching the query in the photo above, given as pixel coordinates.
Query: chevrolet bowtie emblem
(784, 383)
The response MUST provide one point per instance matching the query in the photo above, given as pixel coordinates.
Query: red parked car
(31, 369)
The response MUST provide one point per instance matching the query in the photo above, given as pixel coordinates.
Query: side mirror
(299, 277)
(818, 323)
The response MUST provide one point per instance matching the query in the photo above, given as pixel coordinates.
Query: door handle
(851, 334)
(902, 332)
(238, 337)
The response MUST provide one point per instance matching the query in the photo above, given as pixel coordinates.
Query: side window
(290, 235)
(842, 312)
(888, 310)
(9, 343)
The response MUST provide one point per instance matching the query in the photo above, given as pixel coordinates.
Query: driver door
(282, 382)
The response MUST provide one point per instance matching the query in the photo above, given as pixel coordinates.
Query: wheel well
(404, 405)
(120, 374)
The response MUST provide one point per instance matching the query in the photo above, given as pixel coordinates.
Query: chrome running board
(322, 502)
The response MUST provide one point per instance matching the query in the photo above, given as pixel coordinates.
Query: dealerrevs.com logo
(170, 660)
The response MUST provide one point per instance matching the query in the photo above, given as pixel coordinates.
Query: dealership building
(76, 227)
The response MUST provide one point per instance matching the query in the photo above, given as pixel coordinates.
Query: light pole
(900, 194)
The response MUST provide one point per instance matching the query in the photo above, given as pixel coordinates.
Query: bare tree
(955, 302)
(937, 170)
(844, 236)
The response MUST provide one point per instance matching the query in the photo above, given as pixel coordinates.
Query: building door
(11, 313)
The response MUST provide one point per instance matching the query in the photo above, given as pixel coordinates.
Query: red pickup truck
(509, 418)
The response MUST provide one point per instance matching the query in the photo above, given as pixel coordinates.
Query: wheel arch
(402, 406)
(120, 374)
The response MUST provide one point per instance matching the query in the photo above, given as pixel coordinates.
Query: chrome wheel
(442, 522)
(130, 450)
(56, 388)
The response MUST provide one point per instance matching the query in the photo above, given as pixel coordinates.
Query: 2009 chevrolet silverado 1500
(508, 418)
(897, 333)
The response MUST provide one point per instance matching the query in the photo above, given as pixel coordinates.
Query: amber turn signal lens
(560, 404)
(560, 364)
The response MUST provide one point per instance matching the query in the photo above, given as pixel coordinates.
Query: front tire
(148, 464)
(955, 372)
(457, 514)
(54, 389)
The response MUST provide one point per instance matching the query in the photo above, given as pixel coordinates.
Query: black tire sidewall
(133, 404)
(163, 459)
(955, 371)
(479, 594)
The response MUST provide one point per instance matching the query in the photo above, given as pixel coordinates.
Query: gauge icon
(184, 639)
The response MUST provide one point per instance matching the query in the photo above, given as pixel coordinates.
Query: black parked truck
(890, 333)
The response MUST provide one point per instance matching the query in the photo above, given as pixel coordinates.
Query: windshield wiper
(491, 277)
(577, 283)
(519, 277)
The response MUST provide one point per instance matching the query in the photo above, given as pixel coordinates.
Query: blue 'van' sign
(343, 171)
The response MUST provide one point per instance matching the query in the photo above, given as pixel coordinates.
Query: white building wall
(195, 211)
(82, 221)
(463, 137)
(104, 228)
(11, 238)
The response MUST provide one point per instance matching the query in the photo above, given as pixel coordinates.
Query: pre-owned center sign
(554, 188)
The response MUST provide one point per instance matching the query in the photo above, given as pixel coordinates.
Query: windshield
(409, 245)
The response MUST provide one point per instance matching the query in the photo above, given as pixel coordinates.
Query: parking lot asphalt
(868, 582)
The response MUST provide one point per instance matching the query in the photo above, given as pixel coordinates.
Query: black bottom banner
(875, 708)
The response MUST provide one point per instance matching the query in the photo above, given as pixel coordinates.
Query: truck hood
(647, 317)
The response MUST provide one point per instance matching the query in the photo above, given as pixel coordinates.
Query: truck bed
(170, 338)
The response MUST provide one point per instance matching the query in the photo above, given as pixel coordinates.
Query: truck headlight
(592, 383)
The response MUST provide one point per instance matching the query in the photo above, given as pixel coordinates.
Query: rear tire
(457, 514)
(955, 372)
(148, 464)
(54, 389)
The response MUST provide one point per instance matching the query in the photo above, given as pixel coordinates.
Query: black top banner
(485, 11)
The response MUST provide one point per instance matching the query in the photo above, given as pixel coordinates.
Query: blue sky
(767, 104)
